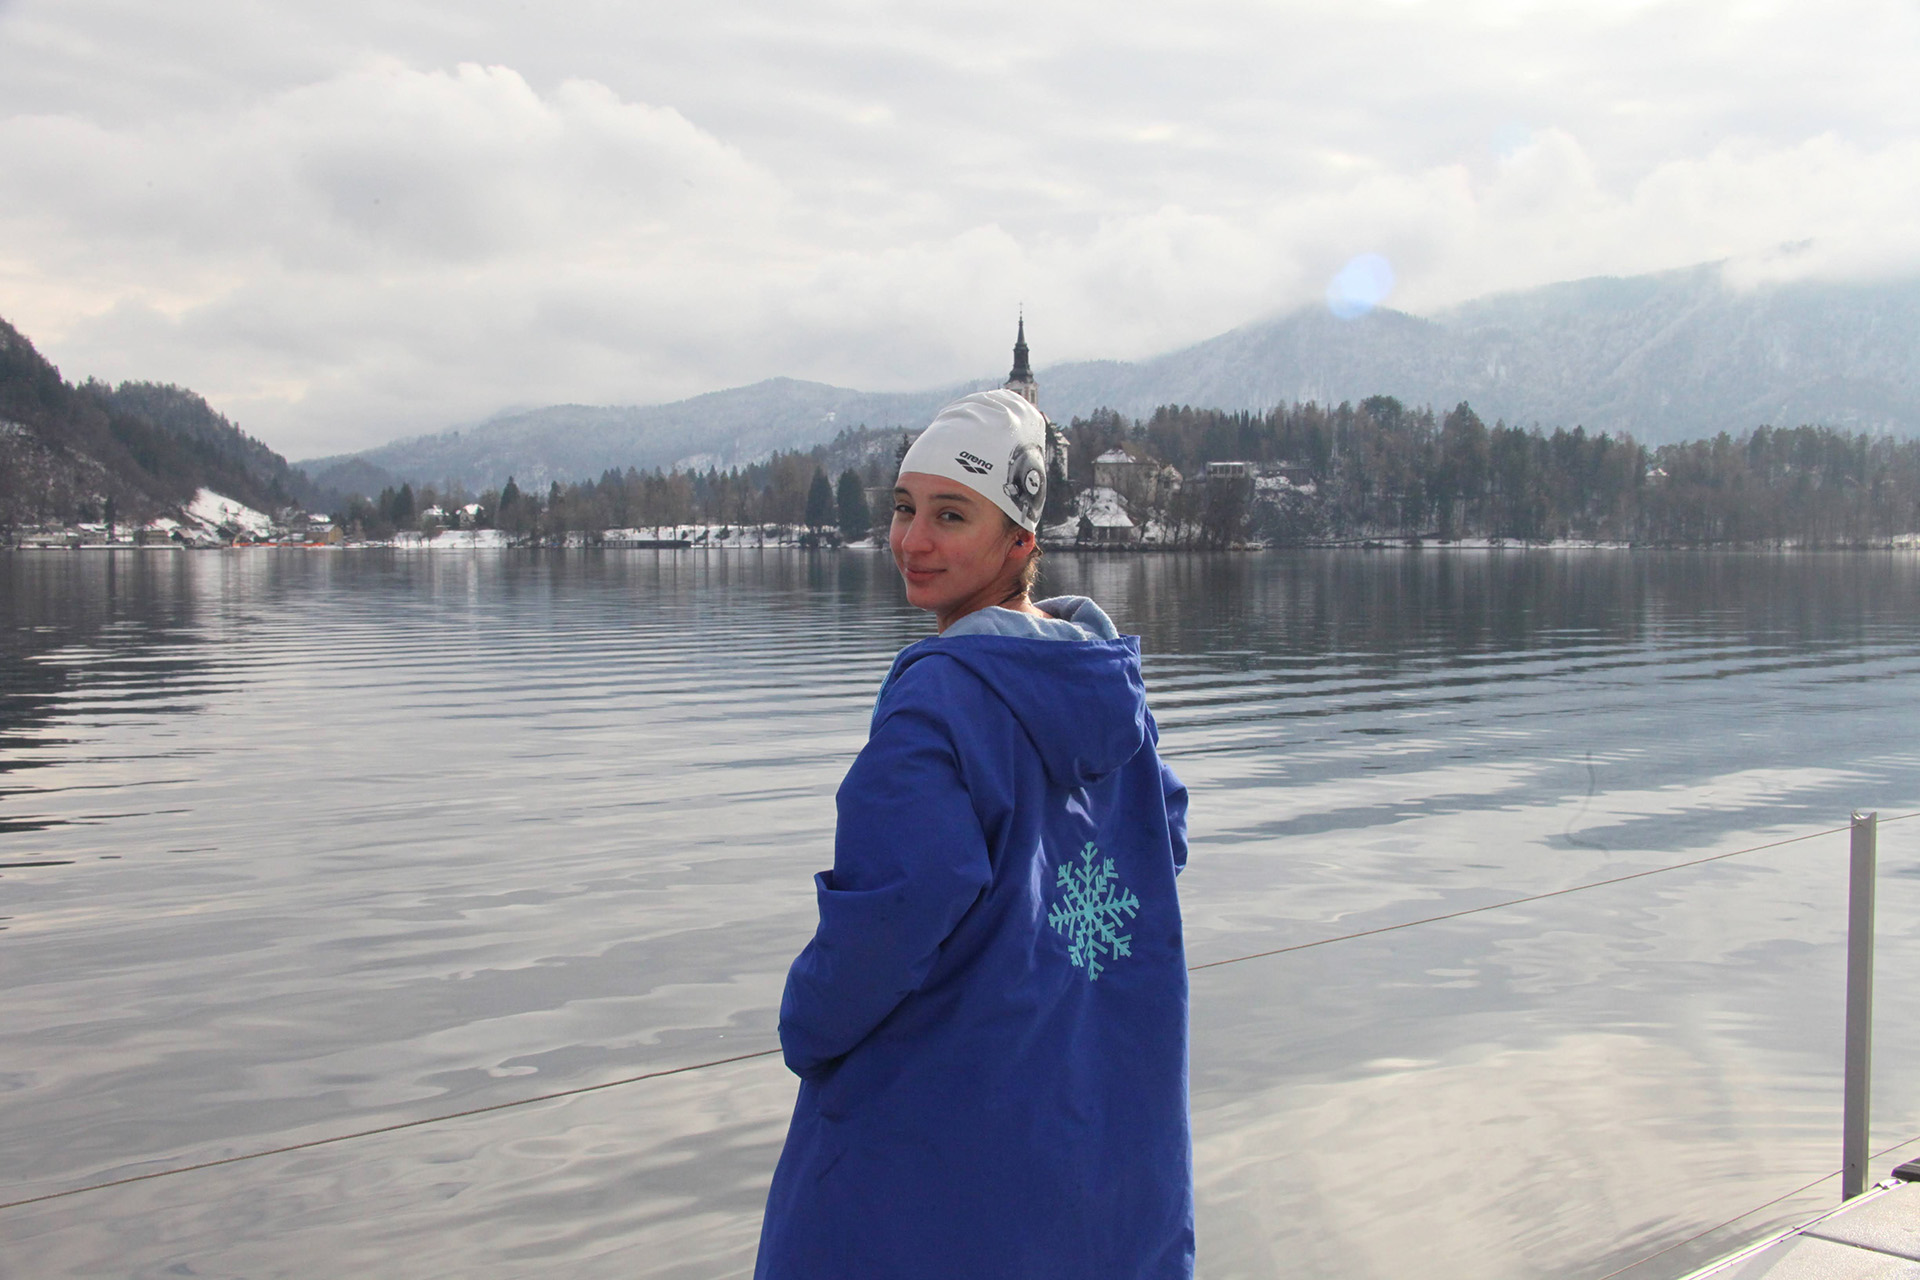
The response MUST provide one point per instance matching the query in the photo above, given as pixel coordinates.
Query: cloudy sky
(349, 221)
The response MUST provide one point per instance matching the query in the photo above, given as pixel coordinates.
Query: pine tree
(855, 518)
(820, 511)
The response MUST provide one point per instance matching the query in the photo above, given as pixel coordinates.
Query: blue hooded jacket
(990, 1023)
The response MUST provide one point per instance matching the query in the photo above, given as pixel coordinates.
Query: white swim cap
(995, 444)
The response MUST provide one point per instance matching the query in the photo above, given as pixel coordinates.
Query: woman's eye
(952, 517)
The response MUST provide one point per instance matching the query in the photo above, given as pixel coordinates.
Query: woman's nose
(918, 536)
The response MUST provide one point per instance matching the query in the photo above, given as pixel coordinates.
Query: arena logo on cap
(979, 466)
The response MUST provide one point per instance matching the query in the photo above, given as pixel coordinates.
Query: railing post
(1858, 1104)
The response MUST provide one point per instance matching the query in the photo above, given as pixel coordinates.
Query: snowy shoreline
(476, 540)
(211, 521)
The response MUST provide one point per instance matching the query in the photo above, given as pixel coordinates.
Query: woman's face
(952, 546)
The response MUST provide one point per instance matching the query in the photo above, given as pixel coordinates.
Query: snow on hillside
(214, 510)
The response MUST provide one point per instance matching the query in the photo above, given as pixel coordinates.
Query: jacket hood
(1081, 703)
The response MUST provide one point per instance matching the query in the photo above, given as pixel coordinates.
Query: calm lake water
(340, 840)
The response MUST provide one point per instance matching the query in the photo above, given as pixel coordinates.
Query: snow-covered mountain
(1667, 357)
(1671, 356)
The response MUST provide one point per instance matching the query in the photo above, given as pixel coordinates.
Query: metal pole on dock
(1858, 1104)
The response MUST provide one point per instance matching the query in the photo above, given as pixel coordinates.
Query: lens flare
(1360, 286)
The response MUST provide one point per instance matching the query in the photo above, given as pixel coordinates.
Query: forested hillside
(1382, 469)
(128, 453)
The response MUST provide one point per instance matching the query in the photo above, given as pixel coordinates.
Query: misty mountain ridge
(1667, 357)
(722, 429)
(1664, 357)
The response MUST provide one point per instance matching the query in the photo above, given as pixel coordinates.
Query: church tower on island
(1021, 380)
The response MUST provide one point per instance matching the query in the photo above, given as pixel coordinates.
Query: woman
(990, 1022)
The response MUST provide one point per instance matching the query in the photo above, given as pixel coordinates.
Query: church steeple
(1021, 379)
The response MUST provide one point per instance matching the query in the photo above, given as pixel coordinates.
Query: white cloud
(328, 246)
(349, 222)
(386, 167)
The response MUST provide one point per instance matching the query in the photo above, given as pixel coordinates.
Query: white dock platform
(1874, 1236)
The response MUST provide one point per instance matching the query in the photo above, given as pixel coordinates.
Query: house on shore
(1104, 520)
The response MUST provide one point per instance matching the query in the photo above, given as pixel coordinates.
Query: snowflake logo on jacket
(1093, 904)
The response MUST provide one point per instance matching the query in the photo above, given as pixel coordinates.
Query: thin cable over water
(1532, 897)
(387, 1128)
(767, 1053)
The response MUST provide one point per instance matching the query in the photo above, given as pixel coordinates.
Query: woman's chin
(923, 591)
(924, 597)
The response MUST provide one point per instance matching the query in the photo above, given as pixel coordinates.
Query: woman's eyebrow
(966, 499)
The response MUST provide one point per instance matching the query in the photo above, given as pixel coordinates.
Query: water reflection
(78, 634)
(400, 835)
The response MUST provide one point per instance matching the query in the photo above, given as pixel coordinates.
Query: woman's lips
(920, 575)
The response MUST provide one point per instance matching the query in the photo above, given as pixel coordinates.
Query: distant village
(1134, 502)
(208, 521)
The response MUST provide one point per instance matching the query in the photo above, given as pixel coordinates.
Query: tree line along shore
(1298, 475)
(92, 462)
